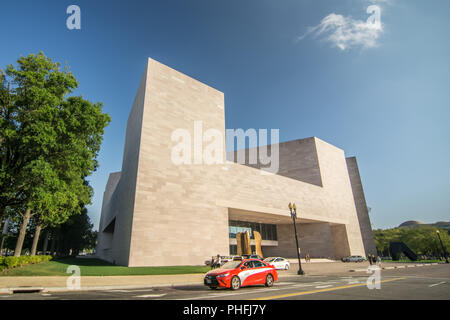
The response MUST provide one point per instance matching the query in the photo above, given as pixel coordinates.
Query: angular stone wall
(361, 206)
(169, 214)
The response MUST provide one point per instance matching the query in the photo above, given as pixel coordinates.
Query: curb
(124, 287)
(5, 291)
(399, 267)
(91, 288)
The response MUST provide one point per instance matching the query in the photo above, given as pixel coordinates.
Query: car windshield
(231, 265)
(269, 259)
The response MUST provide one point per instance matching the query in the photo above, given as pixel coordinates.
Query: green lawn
(96, 267)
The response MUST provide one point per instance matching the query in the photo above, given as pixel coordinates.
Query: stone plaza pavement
(59, 283)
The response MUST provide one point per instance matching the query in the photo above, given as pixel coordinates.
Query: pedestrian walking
(217, 262)
(212, 262)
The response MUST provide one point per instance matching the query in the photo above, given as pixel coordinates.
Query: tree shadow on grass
(85, 262)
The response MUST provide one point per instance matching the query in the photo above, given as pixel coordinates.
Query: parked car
(236, 274)
(252, 256)
(353, 259)
(278, 262)
(222, 260)
(226, 259)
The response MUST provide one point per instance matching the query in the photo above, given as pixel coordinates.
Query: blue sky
(307, 67)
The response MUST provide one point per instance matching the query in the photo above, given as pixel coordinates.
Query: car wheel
(286, 267)
(213, 288)
(235, 283)
(269, 280)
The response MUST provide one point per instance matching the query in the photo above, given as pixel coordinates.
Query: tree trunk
(22, 232)
(44, 248)
(2, 213)
(53, 245)
(1, 244)
(36, 239)
(58, 244)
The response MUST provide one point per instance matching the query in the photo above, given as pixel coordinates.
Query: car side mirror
(243, 267)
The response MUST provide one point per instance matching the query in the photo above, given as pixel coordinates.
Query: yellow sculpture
(246, 243)
(243, 242)
(258, 240)
(239, 239)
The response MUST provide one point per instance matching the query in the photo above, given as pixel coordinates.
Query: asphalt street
(430, 282)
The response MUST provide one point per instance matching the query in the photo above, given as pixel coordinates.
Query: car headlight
(223, 275)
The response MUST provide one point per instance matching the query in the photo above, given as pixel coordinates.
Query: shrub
(34, 259)
(11, 262)
(23, 260)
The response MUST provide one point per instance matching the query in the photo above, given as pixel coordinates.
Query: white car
(278, 262)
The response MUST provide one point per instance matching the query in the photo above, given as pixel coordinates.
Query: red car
(236, 274)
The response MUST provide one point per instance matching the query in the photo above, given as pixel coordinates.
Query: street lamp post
(442, 244)
(293, 210)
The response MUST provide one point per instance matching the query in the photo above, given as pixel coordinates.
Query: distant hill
(417, 224)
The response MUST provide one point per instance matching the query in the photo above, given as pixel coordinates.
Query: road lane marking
(284, 283)
(436, 284)
(303, 285)
(423, 277)
(288, 286)
(324, 283)
(234, 293)
(279, 286)
(320, 290)
(151, 295)
(217, 295)
(130, 290)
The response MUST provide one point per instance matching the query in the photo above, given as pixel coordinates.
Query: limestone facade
(157, 213)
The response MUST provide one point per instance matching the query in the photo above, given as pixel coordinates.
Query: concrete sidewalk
(59, 283)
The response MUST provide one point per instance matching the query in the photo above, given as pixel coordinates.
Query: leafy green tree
(49, 143)
(75, 235)
(422, 240)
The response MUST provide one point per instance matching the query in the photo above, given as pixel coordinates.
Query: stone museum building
(157, 212)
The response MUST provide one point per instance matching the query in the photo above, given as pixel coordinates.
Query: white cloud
(346, 32)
